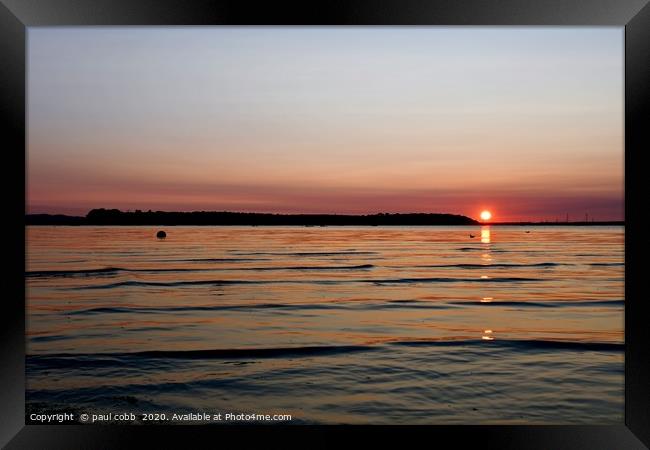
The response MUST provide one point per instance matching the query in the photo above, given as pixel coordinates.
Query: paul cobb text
(191, 417)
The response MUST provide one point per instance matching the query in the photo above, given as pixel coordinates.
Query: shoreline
(505, 224)
(115, 217)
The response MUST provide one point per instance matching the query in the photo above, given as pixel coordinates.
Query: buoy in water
(161, 234)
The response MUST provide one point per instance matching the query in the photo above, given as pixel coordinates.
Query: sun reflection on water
(486, 335)
(485, 234)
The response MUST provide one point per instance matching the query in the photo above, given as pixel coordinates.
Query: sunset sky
(525, 122)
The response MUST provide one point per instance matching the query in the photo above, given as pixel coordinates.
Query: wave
(484, 249)
(350, 252)
(116, 270)
(129, 310)
(49, 338)
(378, 281)
(456, 280)
(72, 273)
(286, 306)
(133, 283)
(487, 248)
(105, 271)
(357, 267)
(370, 305)
(488, 266)
(110, 359)
(547, 304)
(61, 359)
(520, 344)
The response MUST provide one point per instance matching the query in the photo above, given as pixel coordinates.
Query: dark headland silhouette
(116, 217)
(103, 216)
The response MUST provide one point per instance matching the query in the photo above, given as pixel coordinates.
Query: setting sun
(486, 215)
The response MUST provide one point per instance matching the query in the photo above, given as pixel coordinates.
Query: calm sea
(377, 325)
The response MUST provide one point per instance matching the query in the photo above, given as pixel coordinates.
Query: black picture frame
(17, 15)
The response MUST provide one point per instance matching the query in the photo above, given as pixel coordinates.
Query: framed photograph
(381, 218)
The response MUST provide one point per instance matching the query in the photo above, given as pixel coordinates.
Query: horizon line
(509, 222)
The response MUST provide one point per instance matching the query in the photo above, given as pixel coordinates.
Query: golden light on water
(485, 234)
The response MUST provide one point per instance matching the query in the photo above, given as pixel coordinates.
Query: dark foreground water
(329, 324)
